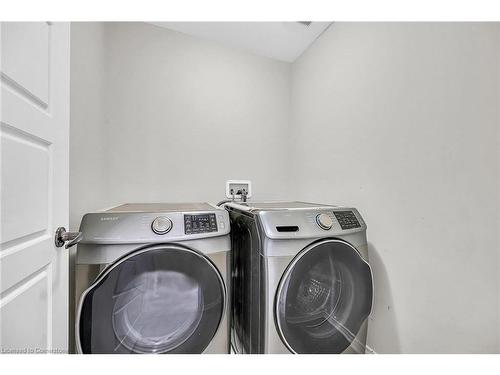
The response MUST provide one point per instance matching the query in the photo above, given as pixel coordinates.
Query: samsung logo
(109, 218)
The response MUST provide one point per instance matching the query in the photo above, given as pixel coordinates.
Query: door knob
(69, 238)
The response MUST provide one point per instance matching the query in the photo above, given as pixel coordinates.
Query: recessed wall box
(236, 189)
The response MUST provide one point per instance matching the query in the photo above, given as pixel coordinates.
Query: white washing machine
(301, 279)
(153, 278)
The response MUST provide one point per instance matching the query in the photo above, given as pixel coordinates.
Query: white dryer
(153, 278)
(301, 278)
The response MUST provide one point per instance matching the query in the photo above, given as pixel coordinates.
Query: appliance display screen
(200, 223)
(347, 219)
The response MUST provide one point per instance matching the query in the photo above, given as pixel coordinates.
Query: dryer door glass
(324, 298)
(162, 299)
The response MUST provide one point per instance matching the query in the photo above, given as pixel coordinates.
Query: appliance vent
(305, 23)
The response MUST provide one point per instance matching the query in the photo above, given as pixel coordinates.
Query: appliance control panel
(311, 223)
(115, 228)
(347, 219)
(200, 223)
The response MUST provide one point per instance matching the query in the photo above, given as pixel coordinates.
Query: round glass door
(324, 297)
(161, 299)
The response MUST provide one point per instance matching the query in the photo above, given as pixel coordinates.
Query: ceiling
(283, 41)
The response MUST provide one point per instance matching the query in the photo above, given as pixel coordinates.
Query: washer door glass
(323, 299)
(162, 299)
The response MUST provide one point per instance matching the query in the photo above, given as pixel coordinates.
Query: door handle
(69, 238)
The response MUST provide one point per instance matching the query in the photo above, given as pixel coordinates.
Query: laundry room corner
(391, 121)
(259, 180)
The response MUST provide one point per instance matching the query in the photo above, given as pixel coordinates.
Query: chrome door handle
(69, 238)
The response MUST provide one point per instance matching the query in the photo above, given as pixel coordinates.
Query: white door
(34, 186)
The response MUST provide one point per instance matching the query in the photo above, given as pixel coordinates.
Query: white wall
(184, 115)
(402, 121)
(88, 172)
(162, 116)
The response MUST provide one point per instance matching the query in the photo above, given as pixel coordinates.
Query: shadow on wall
(383, 333)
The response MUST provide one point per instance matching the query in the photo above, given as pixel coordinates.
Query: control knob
(161, 225)
(324, 221)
